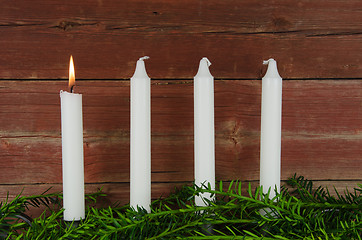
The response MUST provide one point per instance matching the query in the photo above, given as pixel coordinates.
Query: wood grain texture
(310, 39)
(321, 133)
(317, 45)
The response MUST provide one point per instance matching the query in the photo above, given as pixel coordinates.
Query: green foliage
(303, 212)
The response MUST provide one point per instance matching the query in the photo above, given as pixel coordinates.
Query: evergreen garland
(301, 212)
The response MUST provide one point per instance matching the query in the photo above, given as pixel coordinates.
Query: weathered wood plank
(310, 39)
(321, 136)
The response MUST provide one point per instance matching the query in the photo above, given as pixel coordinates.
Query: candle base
(72, 224)
(207, 229)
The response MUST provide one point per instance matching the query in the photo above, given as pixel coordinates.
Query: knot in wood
(67, 25)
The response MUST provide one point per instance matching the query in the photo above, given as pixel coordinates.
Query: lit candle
(204, 135)
(72, 151)
(270, 137)
(140, 153)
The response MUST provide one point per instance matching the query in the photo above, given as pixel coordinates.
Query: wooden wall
(317, 45)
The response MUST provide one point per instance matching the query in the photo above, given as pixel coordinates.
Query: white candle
(72, 152)
(270, 137)
(140, 153)
(204, 136)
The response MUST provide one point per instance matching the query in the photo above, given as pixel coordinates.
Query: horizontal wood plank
(309, 39)
(321, 133)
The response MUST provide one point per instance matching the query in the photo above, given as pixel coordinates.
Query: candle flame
(71, 74)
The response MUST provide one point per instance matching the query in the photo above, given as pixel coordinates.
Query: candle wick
(207, 61)
(72, 89)
(144, 58)
(266, 62)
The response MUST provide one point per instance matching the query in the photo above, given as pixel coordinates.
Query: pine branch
(305, 212)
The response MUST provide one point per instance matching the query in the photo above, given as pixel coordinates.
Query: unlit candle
(270, 137)
(140, 153)
(204, 136)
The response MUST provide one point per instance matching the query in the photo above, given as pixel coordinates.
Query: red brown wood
(310, 39)
(316, 43)
(321, 136)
